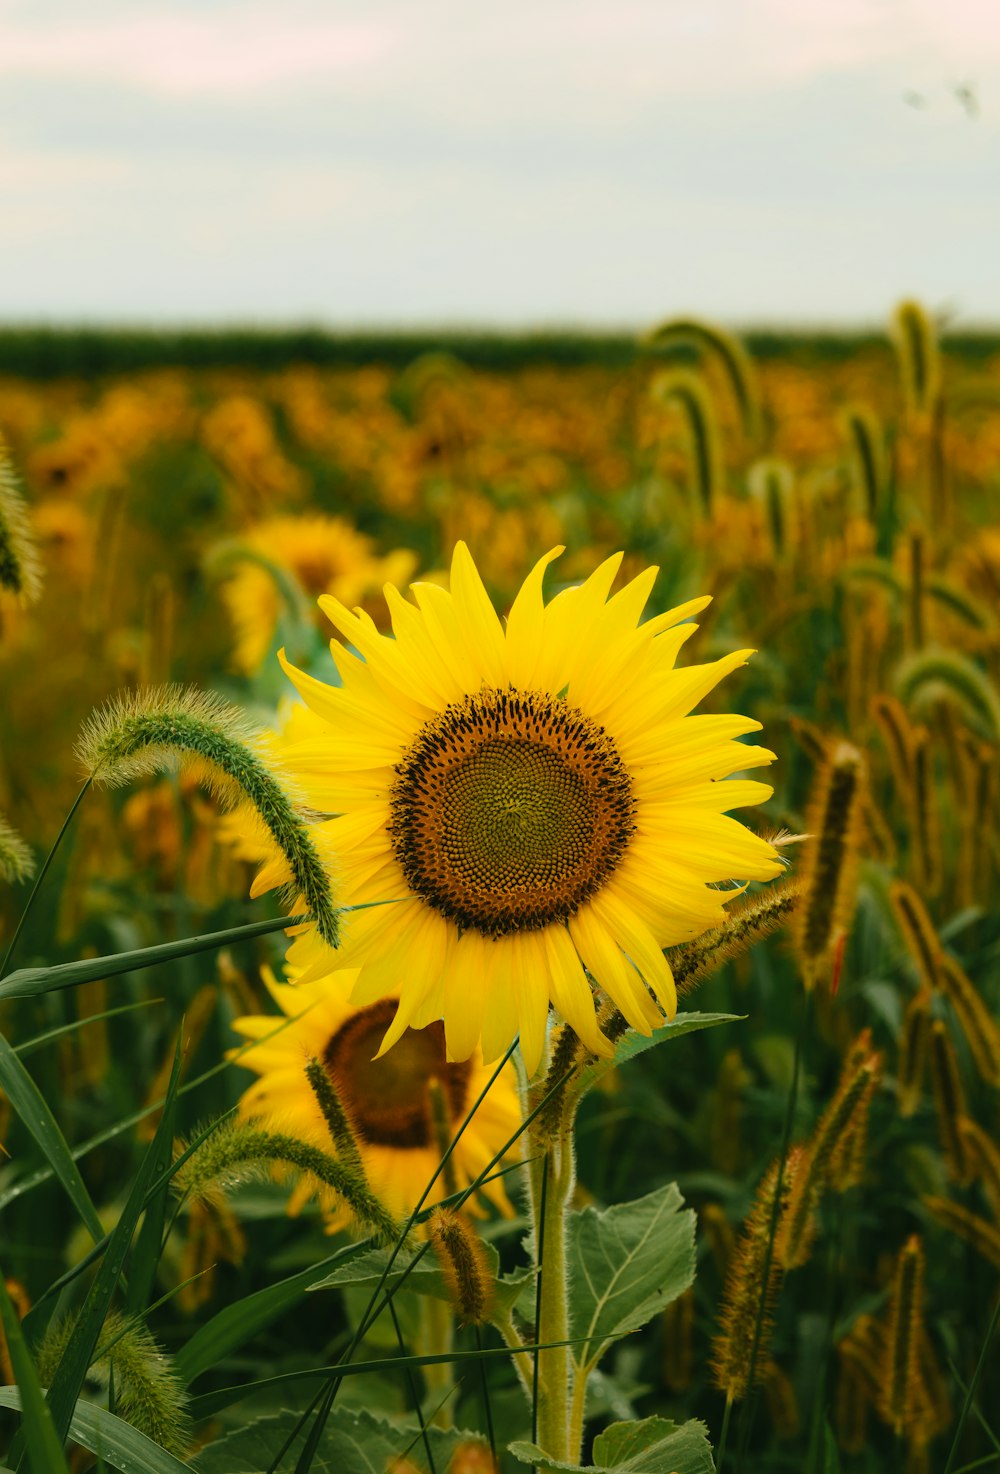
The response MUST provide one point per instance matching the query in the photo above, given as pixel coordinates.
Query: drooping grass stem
(41, 876)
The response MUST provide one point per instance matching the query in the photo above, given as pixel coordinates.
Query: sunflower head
(389, 1101)
(535, 799)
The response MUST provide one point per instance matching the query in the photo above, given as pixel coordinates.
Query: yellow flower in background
(326, 555)
(535, 800)
(388, 1100)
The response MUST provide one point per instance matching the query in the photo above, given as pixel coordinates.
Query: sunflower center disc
(510, 810)
(388, 1099)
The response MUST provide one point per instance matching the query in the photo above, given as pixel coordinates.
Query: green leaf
(626, 1263)
(28, 981)
(353, 1442)
(30, 1105)
(425, 1278)
(633, 1044)
(235, 1324)
(652, 1446)
(116, 1442)
(45, 1450)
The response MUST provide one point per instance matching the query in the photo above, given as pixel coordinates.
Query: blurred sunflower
(325, 555)
(535, 798)
(388, 1100)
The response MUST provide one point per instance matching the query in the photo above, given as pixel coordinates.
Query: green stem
(521, 1359)
(555, 1367)
(724, 1436)
(41, 876)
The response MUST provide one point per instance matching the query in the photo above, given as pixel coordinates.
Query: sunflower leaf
(626, 1263)
(353, 1442)
(647, 1447)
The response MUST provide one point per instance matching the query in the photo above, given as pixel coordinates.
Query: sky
(409, 163)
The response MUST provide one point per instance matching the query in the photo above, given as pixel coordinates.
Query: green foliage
(116, 1442)
(652, 1446)
(627, 1263)
(43, 1444)
(353, 1443)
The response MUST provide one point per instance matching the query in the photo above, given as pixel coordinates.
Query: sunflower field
(499, 951)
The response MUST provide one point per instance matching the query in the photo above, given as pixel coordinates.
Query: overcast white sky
(400, 162)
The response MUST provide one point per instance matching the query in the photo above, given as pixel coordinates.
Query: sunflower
(388, 1100)
(534, 798)
(325, 554)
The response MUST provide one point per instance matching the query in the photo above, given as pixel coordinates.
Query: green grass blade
(118, 1444)
(40, 1040)
(235, 1324)
(30, 1105)
(27, 982)
(79, 1353)
(210, 1403)
(149, 1242)
(44, 1447)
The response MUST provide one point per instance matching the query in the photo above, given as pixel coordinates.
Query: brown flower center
(509, 810)
(389, 1099)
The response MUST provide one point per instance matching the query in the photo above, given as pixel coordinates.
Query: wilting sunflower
(534, 798)
(388, 1100)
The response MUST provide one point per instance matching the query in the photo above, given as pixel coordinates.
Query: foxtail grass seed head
(949, 1100)
(335, 1114)
(241, 1151)
(747, 922)
(915, 339)
(899, 738)
(813, 742)
(975, 854)
(982, 1033)
(868, 449)
(830, 869)
(20, 568)
(149, 1395)
(984, 1161)
(925, 827)
(982, 1235)
(900, 1376)
(689, 392)
(771, 483)
(718, 346)
(746, 1295)
(827, 1147)
(463, 1262)
(913, 1045)
(142, 732)
(16, 860)
(919, 934)
(852, 1402)
(848, 1158)
(930, 675)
